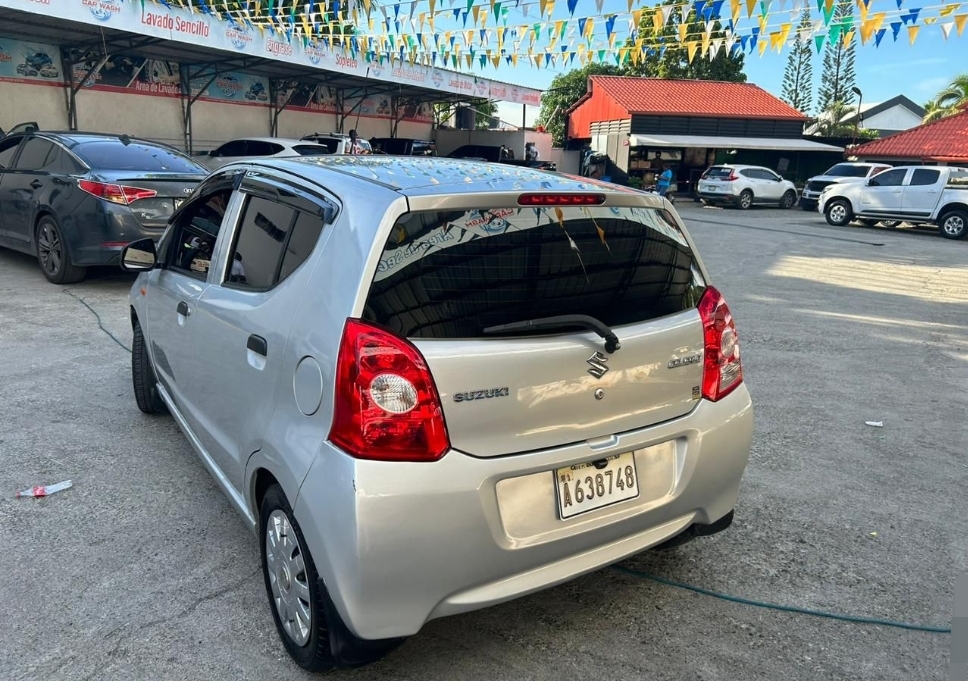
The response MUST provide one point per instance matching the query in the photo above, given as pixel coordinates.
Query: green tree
(565, 90)
(953, 99)
(838, 76)
(673, 61)
(833, 122)
(486, 111)
(798, 76)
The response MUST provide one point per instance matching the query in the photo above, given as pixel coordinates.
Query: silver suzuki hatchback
(433, 385)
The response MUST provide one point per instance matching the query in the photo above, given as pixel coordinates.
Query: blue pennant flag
(396, 11)
(465, 13)
(879, 36)
(609, 25)
(581, 26)
(899, 3)
(911, 16)
(718, 9)
(699, 6)
(572, 4)
(896, 26)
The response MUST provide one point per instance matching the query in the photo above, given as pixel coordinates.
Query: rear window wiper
(560, 322)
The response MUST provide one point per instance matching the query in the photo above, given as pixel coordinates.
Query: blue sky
(893, 68)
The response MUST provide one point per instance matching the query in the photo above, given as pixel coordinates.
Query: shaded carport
(88, 44)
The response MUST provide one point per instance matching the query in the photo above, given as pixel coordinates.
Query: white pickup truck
(914, 194)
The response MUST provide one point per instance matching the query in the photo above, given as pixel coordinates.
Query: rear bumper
(97, 237)
(398, 544)
(716, 197)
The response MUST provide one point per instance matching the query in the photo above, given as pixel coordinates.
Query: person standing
(531, 151)
(355, 147)
(665, 181)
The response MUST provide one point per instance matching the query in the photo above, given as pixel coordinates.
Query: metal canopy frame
(100, 43)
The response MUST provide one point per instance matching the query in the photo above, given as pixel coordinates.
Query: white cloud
(932, 86)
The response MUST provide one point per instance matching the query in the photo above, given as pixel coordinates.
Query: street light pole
(860, 102)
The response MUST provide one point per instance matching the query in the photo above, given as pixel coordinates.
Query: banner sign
(29, 62)
(181, 25)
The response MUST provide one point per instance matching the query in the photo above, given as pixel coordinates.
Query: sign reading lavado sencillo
(181, 25)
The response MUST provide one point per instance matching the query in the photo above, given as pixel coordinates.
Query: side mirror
(139, 256)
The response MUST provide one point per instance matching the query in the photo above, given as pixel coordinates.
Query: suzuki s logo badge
(597, 366)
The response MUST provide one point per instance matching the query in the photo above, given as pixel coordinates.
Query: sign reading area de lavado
(181, 25)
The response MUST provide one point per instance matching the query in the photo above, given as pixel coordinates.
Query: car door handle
(258, 345)
(183, 309)
(36, 184)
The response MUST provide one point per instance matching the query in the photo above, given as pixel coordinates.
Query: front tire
(789, 200)
(954, 224)
(310, 627)
(745, 199)
(838, 213)
(54, 256)
(143, 376)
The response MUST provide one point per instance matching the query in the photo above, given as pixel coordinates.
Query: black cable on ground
(98, 317)
(783, 608)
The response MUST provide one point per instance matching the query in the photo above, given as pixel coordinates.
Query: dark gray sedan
(76, 199)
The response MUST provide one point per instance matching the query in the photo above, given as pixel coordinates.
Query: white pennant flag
(666, 11)
(599, 4)
(805, 34)
(946, 28)
(524, 8)
(730, 41)
(709, 29)
(685, 13)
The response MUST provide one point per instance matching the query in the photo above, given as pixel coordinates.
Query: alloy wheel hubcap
(288, 578)
(838, 213)
(50, 249)
(954, 225)
(745, 199)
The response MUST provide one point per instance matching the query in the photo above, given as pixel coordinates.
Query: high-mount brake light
(561, 199)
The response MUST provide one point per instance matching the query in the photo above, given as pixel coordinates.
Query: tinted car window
(236, 148)
(452, 274)
(258, 148)
(311, 150)
(718, 173)
(847, 170)
(34, 154)
(890, 178)
(8, 149)
(305, 234)
(925, 176)
(330, 143)
(140, 156)
(59, 161)
(259, 244)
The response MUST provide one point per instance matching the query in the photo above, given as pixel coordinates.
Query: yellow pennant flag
(553, 41)
(657, 20)
(763, 24)
(431, 22)
(785, 33)
(763, 45)
(960, 20)
(431, 3)
(913, 33)
(751, 5)
(949, 9)
(691, 48)
(367, 5)
(514, 59)
(476, 12)
(848, 38)
(930, 20)
(631, 2)
(538, 59)
(589, 28)
(421, 18)
(637, 18)
(551, 8)
(468, 38)
(866, 31)
(543, 6)
(496, 60)
(483, 17)
(683, 32)
(775, 40)
(705, 44)
(560, 24)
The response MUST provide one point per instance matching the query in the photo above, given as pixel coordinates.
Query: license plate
(587, 486)
(710, 188)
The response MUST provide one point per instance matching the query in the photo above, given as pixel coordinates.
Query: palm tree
(953, 99)
(831, 123)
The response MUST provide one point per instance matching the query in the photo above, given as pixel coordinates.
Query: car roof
(72, 138)
(420, 175)
(276, 140)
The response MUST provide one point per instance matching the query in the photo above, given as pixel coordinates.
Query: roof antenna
(124, 139)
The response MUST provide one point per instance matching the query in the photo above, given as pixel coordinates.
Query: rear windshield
(719, 171)
(312, 150)
(847, 170)
(452, 274)
(106, 155)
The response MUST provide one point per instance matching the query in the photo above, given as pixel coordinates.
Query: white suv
(842, 172)
(745, 186)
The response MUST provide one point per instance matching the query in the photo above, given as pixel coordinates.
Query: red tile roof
(659, 96)
(944, 140)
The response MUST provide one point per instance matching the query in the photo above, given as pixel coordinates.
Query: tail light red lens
(387, 407)
(732, 177)
(723, 370)
(115, 193)
(561, 199)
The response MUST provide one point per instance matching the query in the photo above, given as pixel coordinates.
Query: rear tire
(313, 633)
(890, 224)
(838, 213)
(868, 223)
(789, 200)
(143, 376)
(745, 200)
(54, 256)
(954, 224)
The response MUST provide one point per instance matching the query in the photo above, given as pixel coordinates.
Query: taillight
(723, 370)
(561, 199)
(115, 193)
(386, 407)
(732, 177)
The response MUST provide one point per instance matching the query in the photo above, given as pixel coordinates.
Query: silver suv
(433, 385)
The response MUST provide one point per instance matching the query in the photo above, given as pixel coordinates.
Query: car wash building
(640, 124)
(171, 72)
